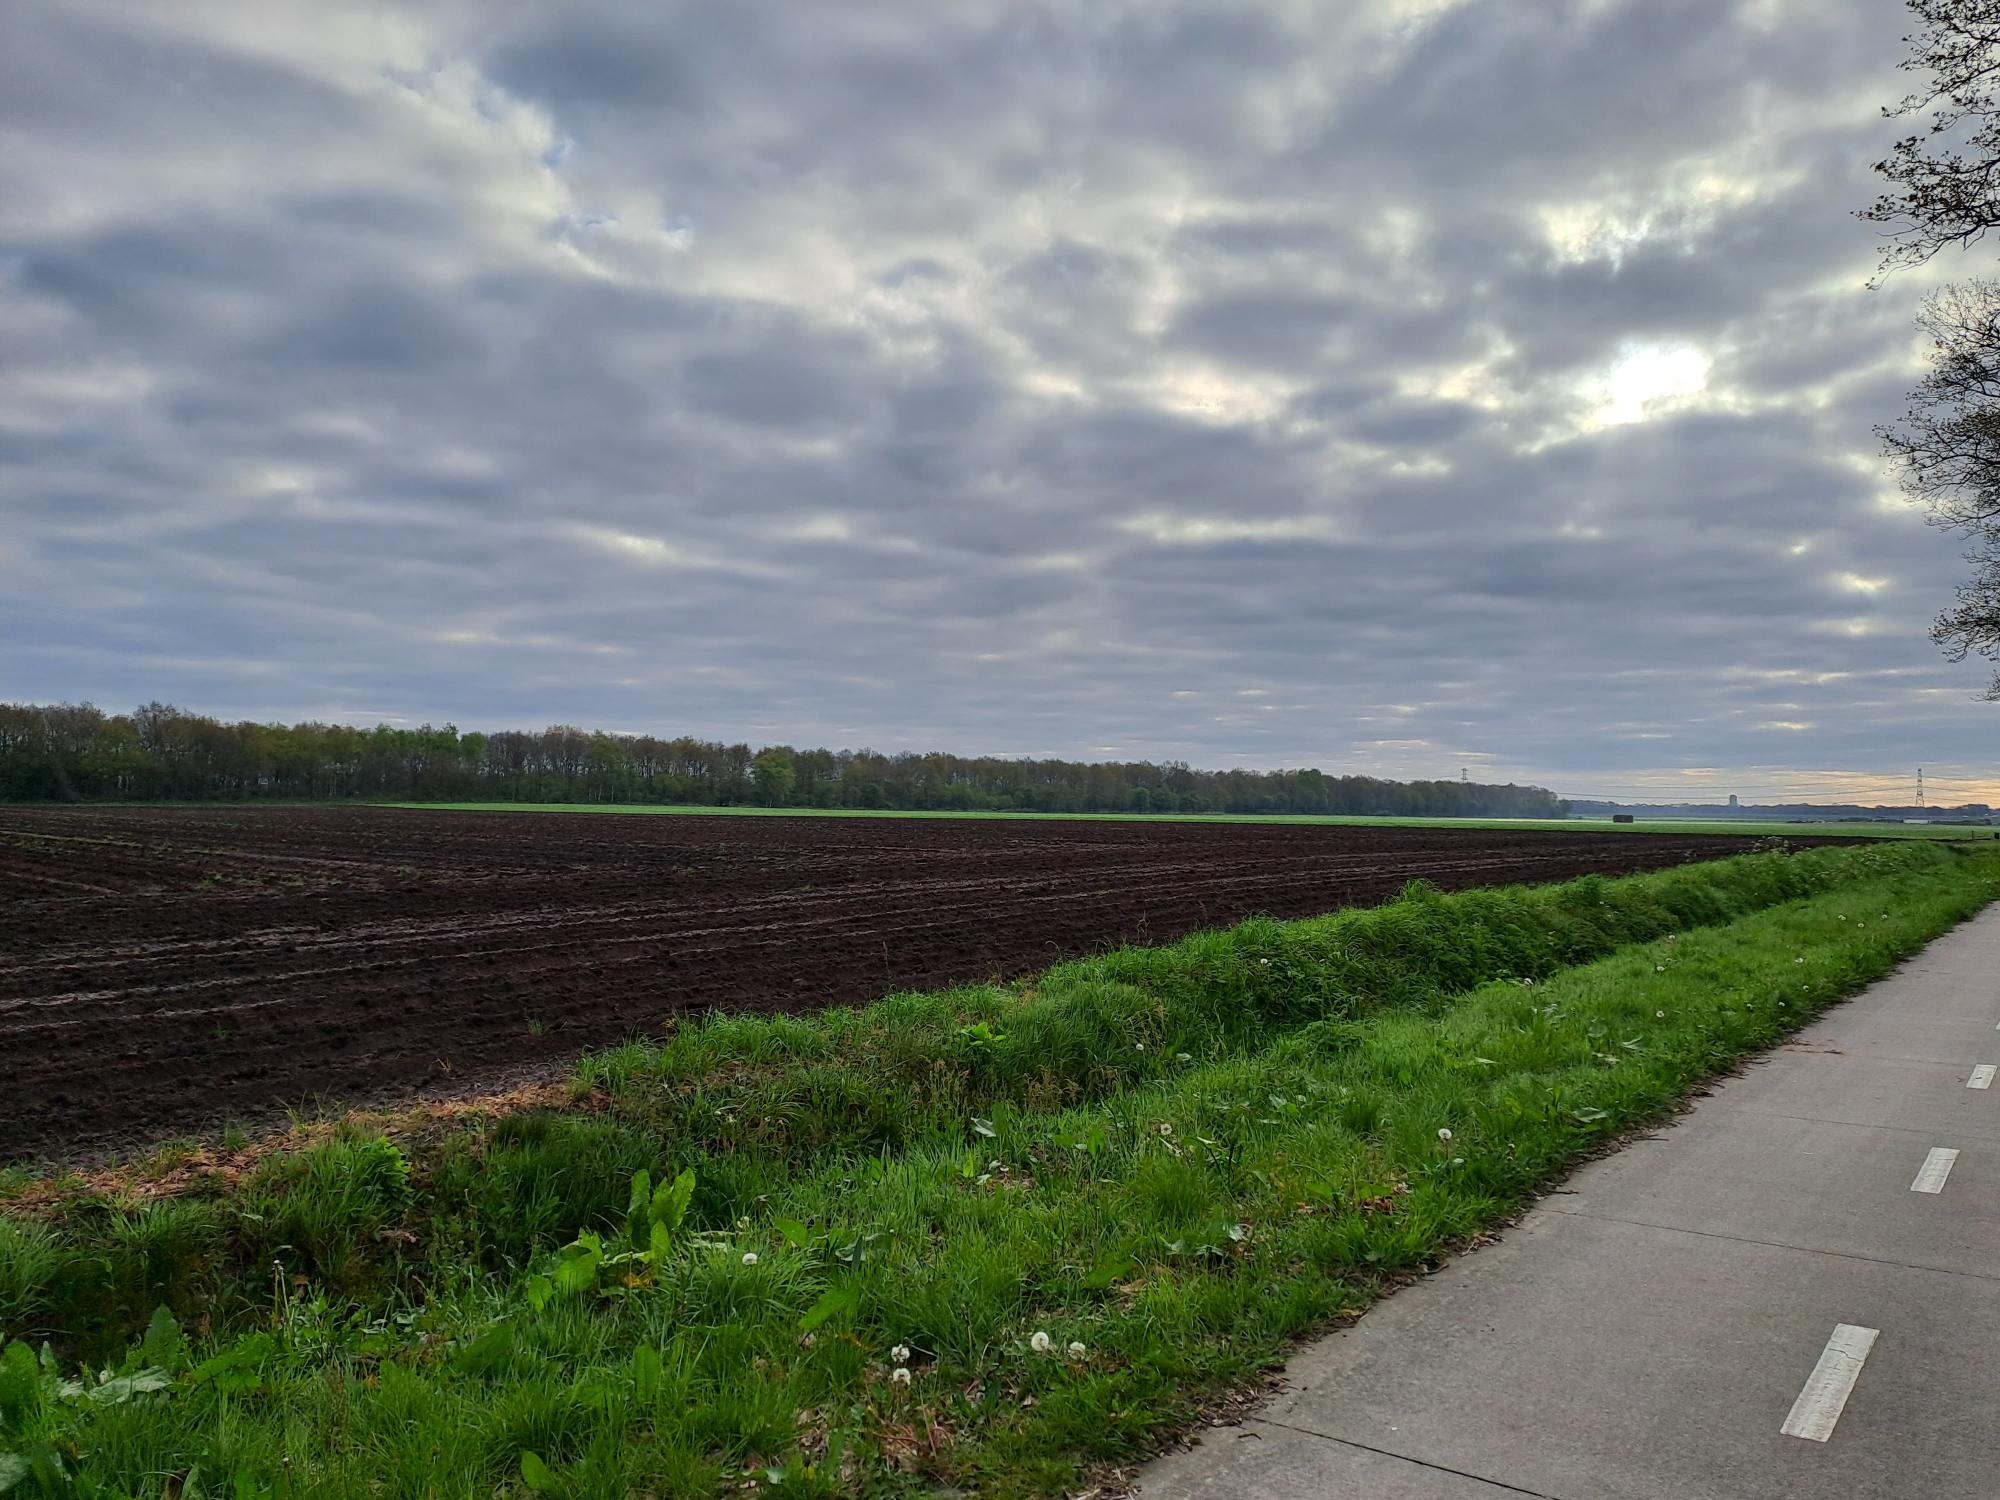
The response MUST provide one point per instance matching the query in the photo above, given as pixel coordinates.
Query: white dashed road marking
(1936, 1167)
(1832, 1381)
(1982, 1077)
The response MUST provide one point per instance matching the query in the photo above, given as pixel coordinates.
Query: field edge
(1172, 1330)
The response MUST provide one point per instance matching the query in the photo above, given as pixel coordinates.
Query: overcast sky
(1389, 387)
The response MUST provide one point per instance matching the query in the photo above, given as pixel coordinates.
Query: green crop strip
(1743, 829)
(1309, 1109)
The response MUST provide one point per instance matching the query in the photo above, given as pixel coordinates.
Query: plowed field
(167, 968)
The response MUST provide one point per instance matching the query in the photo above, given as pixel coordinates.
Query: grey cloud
(1284, 330)
(999, 378)
(1401, 423)
(1537, 92)
(380, 329)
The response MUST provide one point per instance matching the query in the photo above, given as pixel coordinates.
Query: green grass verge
(1269, 1158)
(751, 1101)
(1595, 825)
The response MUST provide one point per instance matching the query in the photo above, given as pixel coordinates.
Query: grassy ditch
(497, 1306)
(750, 1102)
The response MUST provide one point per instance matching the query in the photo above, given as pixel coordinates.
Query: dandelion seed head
(1076, 1350)
(1040, 1342)
(900, 1354)
(899, 1376)
(749, 1257)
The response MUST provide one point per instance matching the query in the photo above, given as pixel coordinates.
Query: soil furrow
(163, 969)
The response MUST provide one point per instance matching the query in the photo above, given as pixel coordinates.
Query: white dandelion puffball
(1039, 1343)
(749, 1257)
(900, 1354)
(900, 1376)
(1076, 1350)
(1444, 1135)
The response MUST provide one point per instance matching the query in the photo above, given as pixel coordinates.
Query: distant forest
(77, 753)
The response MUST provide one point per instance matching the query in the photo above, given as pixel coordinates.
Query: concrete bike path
(1791, 1293)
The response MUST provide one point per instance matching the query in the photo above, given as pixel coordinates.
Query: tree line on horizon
(75, 752)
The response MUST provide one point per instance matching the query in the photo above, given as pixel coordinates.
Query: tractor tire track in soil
(165, 969)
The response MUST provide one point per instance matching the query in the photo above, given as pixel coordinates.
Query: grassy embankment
(1173, 1159)
(1532, 825)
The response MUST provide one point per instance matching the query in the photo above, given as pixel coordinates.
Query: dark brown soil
(163, 969)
